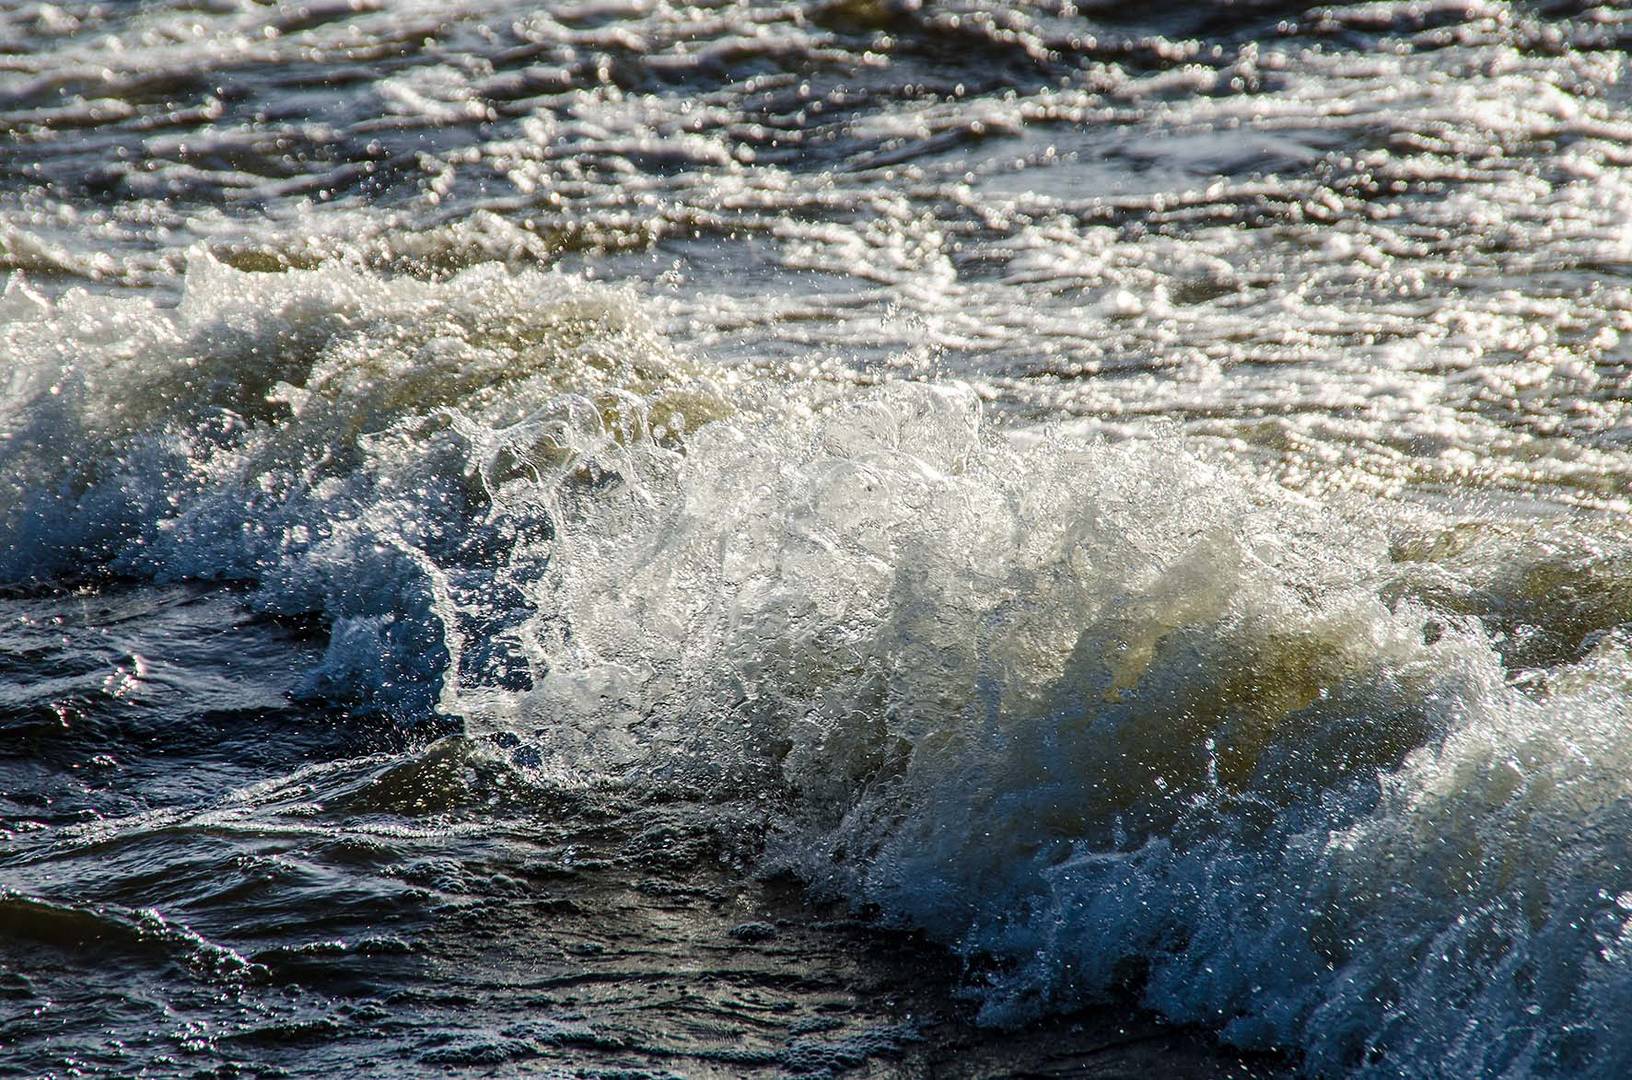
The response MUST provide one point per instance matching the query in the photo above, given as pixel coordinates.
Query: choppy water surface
(644, 540)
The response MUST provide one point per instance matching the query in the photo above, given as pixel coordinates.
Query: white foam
(1098, 715)
(1103, 716)
(314, 433)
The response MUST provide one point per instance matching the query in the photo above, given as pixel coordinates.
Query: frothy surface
(1139, 499)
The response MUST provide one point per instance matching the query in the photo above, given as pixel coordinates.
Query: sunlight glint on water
(490, 497)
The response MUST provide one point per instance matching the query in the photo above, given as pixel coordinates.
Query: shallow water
(815, 538)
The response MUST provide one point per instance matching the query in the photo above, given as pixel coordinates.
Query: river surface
(827, 537)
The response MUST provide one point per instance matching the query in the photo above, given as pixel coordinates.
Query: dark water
(203, 879)
(896, 539)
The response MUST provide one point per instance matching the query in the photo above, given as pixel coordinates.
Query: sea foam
(1112, 716)
(1103, 717)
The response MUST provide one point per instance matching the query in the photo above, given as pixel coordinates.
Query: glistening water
(836, 537)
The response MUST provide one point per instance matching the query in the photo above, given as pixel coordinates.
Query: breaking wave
(1101, 716)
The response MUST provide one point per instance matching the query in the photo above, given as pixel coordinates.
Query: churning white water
(1138, 497)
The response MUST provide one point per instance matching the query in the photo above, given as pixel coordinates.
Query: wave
(1109, 716)
(1100, 716)
(331, 436)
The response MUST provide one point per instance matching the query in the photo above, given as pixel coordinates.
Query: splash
(1108, 716)
(1103, 717)
(330, 436)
